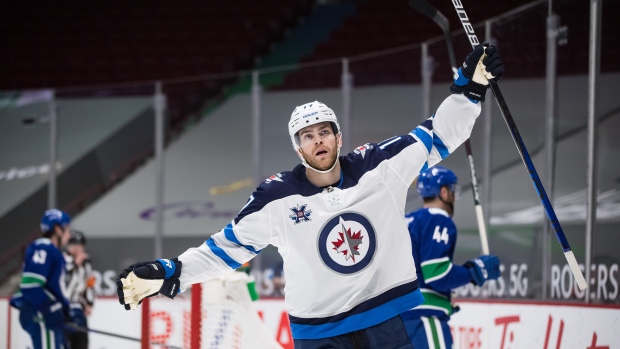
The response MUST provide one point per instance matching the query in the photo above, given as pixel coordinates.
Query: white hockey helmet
(307, 115)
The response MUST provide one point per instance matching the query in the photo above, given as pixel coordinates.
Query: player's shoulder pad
(272, 188)
(45, 244)
(415, 216)
(274, 184)
(42, 242)
(394, 145)
(409, 219)
(438, 212)
(439, 216)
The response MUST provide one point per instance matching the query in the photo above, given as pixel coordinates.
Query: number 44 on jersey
(441, 236)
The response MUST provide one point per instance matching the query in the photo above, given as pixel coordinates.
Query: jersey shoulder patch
(274, 178)
(361, 150)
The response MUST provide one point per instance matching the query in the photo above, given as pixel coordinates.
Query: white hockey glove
(480, 66)
(146, 279)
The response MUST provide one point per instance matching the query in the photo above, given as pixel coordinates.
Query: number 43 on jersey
(441, 236)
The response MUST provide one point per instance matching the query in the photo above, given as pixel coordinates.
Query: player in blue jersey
(337, 223)
(41, 300)
(433, 240)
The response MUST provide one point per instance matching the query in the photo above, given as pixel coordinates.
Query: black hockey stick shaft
(436, 16)
(525, 156)
(76, 327)
(440, 19)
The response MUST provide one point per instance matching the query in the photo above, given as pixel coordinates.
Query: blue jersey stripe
(169, 267)
(223, 256)
(387, 142)
(229, 233)
(363, 307)
(361, 320)
(461, 80)
(424, 137)
(425, 167)
(428, 124)
(441, 148)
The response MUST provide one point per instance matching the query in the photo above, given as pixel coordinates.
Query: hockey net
(215, 314)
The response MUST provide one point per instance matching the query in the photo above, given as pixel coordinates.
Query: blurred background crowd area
(99, 62)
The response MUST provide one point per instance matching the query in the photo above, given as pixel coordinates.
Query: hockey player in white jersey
(337, 222)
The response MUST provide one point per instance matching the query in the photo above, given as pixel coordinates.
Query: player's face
(75, 249)
(449, 194)
(65, 236)
(319, 145)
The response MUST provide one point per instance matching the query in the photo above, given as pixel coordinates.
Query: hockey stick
(525, 156)
(76, 327)
(431, 12)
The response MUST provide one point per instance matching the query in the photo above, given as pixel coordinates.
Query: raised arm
(241, 240)
(438, 136)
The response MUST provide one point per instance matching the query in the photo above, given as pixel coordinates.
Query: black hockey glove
(146, 279)
(74, 315)
(483, 268)
(481, 65)
(53, 314)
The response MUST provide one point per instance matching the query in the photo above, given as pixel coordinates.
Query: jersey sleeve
(433, 140)
(436, 248)
(241, 240)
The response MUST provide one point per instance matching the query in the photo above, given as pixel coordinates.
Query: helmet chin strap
(449, 204)
(303, 162)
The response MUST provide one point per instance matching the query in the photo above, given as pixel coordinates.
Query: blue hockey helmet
(54, 217)
(431, 181)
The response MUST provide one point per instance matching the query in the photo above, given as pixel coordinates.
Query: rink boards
(479, 324)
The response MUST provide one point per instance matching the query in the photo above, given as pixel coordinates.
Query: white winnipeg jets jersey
(346, 249)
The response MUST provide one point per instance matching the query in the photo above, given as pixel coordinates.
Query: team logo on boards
(276, 177)
(362, 149)
(347, 243)
(301, 213)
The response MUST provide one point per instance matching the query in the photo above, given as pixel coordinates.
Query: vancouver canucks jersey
(346, 248)
(433, 239)
(43, 277)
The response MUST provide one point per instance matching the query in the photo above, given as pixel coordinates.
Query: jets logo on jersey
(300, 214)
(276, 177)
(362, 149)
(347, 243)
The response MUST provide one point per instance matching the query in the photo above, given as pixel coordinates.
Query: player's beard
(450, 205)
(317, 165)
